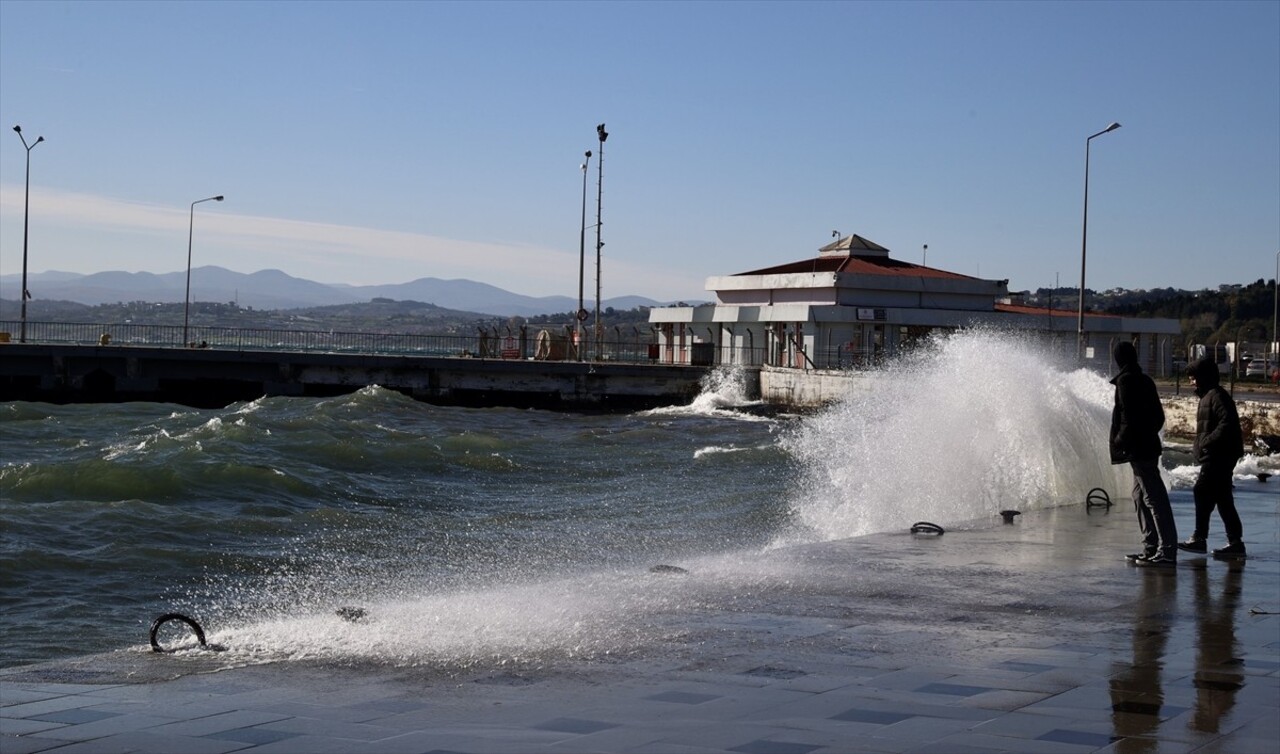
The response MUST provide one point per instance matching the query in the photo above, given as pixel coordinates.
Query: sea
(494, 536)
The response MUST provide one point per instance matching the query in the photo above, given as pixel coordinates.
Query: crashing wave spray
(722, 389)
(959, 429)
(596, 613)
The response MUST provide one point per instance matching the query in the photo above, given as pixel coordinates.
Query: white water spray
(971, 425)
(591, 614)
(723, 389)
(960, 429)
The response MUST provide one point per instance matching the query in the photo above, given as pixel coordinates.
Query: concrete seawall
(216, 377)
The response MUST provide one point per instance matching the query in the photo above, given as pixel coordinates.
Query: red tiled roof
(1041, 311)
(858, 266)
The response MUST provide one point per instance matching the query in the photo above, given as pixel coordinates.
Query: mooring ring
(163, 619)
(924, 527)
(1097, 498)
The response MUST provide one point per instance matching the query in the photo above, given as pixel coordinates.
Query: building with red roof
(853, 304)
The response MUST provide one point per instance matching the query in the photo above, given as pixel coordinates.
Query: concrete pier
(214, 377)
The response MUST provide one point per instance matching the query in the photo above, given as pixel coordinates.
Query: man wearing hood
(1219, 444)
(1136, 421)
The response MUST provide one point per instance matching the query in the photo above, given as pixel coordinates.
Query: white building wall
(803, 320)
(816, 297)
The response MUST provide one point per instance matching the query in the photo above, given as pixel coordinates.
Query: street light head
(600, 132)
(18, 129)
(1112, 127)
(39, 139)
(217, 198)
(588, 154)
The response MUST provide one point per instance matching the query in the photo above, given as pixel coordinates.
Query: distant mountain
(266, 289)
(468, 295)
(273, 290)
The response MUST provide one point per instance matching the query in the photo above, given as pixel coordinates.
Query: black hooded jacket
(1138, 417)
(1218, 435)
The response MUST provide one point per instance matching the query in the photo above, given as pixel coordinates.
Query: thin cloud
(314, 246)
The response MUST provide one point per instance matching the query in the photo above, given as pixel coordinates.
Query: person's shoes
(1232, 550)
(1194, 545)
(1159, 560)
(1134, 557)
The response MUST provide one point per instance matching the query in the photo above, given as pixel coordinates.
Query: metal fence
(549, 343)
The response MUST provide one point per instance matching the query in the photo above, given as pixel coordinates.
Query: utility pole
(581, 314)
(601, 134)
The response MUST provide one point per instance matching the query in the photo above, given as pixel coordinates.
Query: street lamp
(1084, 239)
(601, 134)
(186, 306)
(581, 314)
(924, 259)
(26, 207)
(1275, 309)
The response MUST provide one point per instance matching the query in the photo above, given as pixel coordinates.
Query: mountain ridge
(274, 289)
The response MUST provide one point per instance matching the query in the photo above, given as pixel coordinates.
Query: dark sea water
(115, 513)
(495, 535)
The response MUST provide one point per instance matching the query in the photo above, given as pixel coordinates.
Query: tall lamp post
(1084, 240)
(581, 314)
(601, 134)
(26, 207)
(1275, 310)
(186, 306)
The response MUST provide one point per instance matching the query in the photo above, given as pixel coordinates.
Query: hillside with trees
(379, 315)
(1229, 314)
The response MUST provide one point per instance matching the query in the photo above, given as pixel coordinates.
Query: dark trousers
(1213, 490)
(1155, 514)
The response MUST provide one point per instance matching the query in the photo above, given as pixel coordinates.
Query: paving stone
(1031, 638)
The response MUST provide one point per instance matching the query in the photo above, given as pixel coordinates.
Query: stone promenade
(1034, 636)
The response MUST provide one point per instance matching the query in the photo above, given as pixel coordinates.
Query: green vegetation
(1231, 313)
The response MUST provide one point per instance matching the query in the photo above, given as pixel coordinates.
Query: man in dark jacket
(1136, 421)
(1219, 444)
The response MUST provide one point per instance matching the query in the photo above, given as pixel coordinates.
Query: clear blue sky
(375, 142)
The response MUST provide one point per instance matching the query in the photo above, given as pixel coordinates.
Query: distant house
(853, 305)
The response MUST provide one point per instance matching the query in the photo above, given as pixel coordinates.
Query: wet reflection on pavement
(1219, 670)
(1136, 692)
(1139, 699)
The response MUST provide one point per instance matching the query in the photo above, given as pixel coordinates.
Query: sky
(369, 143)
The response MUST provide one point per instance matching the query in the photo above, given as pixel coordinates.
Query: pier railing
(620, 344)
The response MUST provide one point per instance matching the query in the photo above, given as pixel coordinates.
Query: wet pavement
(1033, 636)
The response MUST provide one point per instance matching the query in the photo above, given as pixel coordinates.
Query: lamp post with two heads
(579, 315)
(26, 207)
(1275, 314)
(1084, 240)
(601, 134)
(186, 306)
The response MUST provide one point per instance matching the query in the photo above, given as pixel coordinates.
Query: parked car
(1258, 368)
